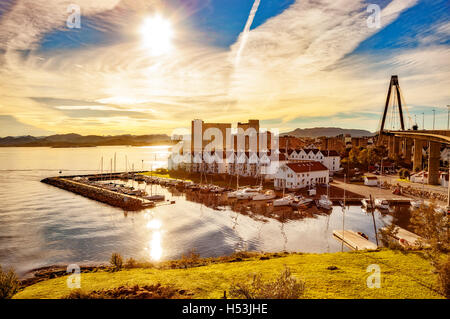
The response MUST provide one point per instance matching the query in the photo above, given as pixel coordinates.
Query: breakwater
(106, 196)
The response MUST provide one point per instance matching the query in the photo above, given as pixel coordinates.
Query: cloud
(299, 64)
(10, 126)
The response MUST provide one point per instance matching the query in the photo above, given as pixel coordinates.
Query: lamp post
(448, 116)
(423, 120)
(434, 113)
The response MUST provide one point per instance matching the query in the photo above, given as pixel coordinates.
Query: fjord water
(41, 225)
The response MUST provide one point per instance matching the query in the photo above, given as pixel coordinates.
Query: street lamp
(448, 117)
(434, 113)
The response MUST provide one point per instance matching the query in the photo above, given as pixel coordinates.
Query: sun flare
(157, 33)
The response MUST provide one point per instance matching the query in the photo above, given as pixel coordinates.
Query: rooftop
(307, 166)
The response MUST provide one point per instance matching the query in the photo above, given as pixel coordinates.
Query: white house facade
(331, 159)
(301, 174)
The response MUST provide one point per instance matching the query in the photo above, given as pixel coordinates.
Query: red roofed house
(301, 174)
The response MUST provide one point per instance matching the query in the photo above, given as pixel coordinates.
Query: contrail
(247, 30)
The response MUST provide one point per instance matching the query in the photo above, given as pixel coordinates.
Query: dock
(124, 201)
(407, 238)
(354, 240)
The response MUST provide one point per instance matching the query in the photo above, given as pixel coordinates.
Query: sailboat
(152, 197)
(324, 201)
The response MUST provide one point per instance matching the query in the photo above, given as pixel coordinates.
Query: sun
(157, 35)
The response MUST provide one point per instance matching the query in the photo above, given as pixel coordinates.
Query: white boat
(381, 204)
(232, 194)
(301, 201)
(155, 197)
(416, 203)
(366, 203)
(265, 196)
(324, 202)
(285, 201)
(247, 193)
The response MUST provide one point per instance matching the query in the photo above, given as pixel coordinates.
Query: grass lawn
(403, 275)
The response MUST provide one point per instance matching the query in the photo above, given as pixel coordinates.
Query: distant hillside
(326, 131)
(76, 140)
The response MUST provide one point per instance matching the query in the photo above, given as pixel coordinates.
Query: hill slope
(76, 140)
(326, 131)
(403, 275)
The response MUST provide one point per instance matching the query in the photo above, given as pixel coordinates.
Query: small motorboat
(324, 202)
(416, 203)
(363, 235)
(232, 194)
(381, 204)
(285, 201)
(265, 196)
(367, 203)
(155, 197)
(300, 201)
(217, 189)
(247, 193)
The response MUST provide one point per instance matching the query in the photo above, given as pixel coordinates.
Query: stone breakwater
(123, 201)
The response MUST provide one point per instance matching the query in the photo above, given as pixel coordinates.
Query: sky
(151, 66)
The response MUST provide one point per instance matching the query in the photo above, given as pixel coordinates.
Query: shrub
(9, 284)
(131, 263)
(443, 272)
(285, 286)
(117, 261)
(156, 291)
(434, 227)
(387, 237)
(190, 259)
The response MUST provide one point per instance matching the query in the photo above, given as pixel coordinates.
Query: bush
(135, 292)
(434, 227)
(284, 287)
(131, 263)
(443, 272)
(9, 284)
(387, 237)
(190, 260)
(117, 261)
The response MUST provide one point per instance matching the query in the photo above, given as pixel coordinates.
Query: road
(366, 191)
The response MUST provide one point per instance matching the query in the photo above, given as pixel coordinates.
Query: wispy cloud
(299, 64)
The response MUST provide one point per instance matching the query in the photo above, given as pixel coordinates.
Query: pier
(407, 238)
(92, 191)
(354, 240)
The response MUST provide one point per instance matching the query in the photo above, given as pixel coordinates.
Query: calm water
(41, 225)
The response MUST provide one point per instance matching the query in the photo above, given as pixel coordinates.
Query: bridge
(410, 143)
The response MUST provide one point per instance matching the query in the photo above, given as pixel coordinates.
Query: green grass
(403, 275)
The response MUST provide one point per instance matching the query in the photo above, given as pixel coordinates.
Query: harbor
(103, 188)
(202, 216)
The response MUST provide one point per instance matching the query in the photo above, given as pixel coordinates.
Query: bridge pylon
(393, 84)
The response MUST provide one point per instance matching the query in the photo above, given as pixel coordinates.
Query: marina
(64, 227)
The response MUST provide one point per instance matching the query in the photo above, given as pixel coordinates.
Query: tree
(434, 228)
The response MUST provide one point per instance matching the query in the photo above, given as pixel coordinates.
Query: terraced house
(330, 159)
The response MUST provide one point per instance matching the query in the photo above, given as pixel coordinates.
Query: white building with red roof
(301, 174)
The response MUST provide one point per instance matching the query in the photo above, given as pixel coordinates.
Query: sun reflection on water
(155, 243)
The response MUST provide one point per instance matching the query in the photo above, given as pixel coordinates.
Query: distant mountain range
(76, 140)
(326, 131)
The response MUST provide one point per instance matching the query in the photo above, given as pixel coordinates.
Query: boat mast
(115, 162)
